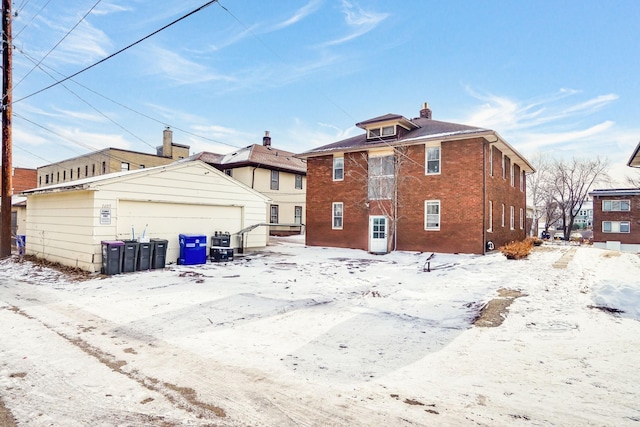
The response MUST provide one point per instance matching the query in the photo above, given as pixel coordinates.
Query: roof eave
(634, 161)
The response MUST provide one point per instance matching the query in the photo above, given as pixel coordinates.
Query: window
(521, 220)
(337, 215)
(383, 131)
(58, 177)
(513, 177)
(273, 218)
(297, 214)
(338, 168)
(275, 180)
(64, 175)
(615, 205)
(504, 166)
(522, 178)
(228, 172)
(490, 227)
(616, 227)
(93, 169)
(124, 166)
(512, 219)
(141, 166)
(432, 215)
(298, 182)
(104, 167)
(46, 179)
(71, 173)
(502, 218)
(433, 160)
(86, 170)
(381, 177)
(78, 173)
(491, 160)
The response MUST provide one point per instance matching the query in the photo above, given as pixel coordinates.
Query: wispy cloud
(83, 45)
(181, 70)
(299, 14)
(359, 22)
(107, 8)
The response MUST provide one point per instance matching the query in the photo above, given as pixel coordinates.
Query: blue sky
(551, 77)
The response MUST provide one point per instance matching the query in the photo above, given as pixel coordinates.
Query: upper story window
(228, 172)
(124, 166)
(104, 167)
(615, 205)
(86, 170)
(522, 178)
(338, 168)
(381, 177)
(491, 160)
(504, 166)
(432, 160)
(381, 132)
(275, 180)
(298, 182)
(93, 169)
(513, 176)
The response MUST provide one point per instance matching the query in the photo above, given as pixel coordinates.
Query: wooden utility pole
(7, 181)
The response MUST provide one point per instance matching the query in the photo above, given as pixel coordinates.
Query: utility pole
(7, 181)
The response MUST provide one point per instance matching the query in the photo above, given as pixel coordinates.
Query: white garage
(67, 222)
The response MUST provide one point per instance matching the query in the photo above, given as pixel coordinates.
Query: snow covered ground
(308, 336)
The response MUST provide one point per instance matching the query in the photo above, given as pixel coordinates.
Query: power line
(32, 18)
(59, 42)
(209, 3)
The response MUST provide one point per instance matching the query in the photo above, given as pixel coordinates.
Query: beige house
(276, 173)
(111, 160)
(67, 222)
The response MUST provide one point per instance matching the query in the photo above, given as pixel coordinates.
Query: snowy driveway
(313, 336)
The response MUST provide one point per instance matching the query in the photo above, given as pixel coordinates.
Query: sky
(558, 78)
(304, 336)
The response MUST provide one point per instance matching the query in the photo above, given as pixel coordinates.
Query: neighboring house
(616, 219)
(111, 160)
(416, 184)
(21, 179)
(276, 173)
(67, 222)
(584, 217)
(634, 160)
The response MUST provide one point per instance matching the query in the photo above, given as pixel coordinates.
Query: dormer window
(383, 131)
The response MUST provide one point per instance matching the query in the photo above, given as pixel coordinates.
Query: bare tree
(382, 176)
(571, 182)
(538, 191)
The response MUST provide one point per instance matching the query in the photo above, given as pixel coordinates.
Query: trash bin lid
(113, 242)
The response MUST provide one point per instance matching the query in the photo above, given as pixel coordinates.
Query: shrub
(517, 250)
(535, 241)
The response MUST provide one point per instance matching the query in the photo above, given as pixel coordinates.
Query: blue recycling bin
(193, 249)
(112, 256)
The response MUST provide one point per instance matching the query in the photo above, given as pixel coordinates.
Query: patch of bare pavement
(6, 417)
(493, 313)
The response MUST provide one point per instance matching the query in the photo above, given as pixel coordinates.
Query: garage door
(167, 220)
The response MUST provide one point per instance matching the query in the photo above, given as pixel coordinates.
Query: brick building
(616, 219)
(416, 184)
(111, 160)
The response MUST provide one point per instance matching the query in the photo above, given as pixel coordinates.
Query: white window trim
(615, 227)
(426, 203)
(502, 218)
(333, 216)
(426, 158)
(523, 176)
(504, 166)
(512, 218)
(521, 219)
(490, 229)
(490, 160)
(616, 210)
(333, 172)
(512, 176)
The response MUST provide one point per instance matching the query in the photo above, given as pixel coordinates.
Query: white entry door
(378, 234)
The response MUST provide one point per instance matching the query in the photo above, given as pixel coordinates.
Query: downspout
(253, 176)
(484, 197)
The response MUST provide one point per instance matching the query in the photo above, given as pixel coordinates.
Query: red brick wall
(633, 216)
(23, 179)
(459, 187)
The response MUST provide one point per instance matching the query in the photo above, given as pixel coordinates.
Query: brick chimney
(266, 139)
(167, 142)
(425, 113)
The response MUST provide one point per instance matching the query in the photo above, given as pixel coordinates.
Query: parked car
(576, 236)
(558, 236)
(545, 235)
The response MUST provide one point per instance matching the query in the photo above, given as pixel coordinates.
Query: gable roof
(422, 130)
(255, 155)
(95, 182)
(616, 192)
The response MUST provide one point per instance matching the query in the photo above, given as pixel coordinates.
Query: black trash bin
(158, 253)
(220, 253)
(130, 256)
(221, 239)
(144, 256)
(112, 251)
